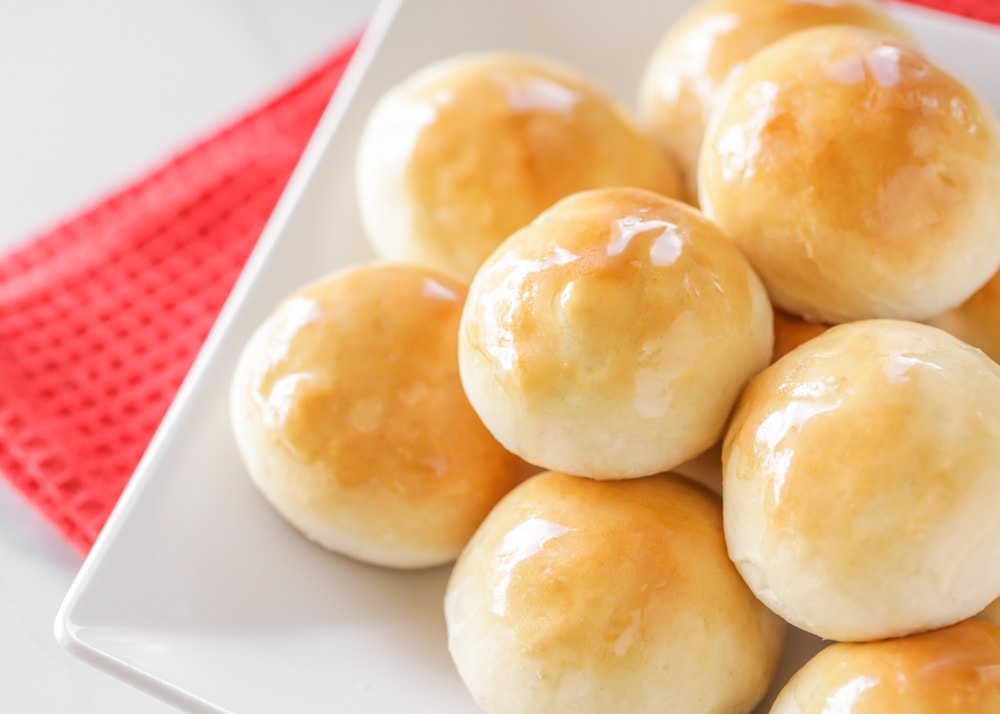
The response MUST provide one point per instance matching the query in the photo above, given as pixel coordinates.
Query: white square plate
(196, 591)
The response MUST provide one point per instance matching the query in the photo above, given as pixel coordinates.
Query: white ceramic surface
(196, 591)
(93, 93)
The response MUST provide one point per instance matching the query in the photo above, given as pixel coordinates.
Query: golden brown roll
(948, 671)
(586, 596)
(349, 414)
(977, 320)
(861, 476)
(611, 337)
(859, 178)
(687, 70)
(470, 149)
(790, 331)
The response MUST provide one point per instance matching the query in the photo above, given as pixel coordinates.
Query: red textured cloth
(101, 318)
(984, 10)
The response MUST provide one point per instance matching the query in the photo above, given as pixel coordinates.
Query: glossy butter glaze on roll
(948, 671)
(859, 178)
(977, 320)
(470, 149)
(861, 477)
(579, 596)
(348, 411)
(611, 337)
(687, 70)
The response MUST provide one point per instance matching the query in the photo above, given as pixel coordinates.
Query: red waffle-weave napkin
(101, 317)
(984, 10)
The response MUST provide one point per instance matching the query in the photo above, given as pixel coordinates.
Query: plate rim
(65, 629)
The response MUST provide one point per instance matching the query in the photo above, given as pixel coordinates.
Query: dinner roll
(468, 150)
(861, 477)
(948, 671)
(687, 70)
(584, 596)
(790, 331)
(977, 320)
(349, 414)
(611, 337)
(859, 178)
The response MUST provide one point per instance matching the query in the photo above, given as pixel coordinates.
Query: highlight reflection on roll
(611, 337)
(349, 414)
(859, 178)
(469, 149)
(861, 477)
(578, 596)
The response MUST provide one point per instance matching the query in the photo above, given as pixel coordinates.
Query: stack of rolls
(660, 385)
(346, 403)
(468, 150)
(861, 470)
(608, 339)
(686, 73)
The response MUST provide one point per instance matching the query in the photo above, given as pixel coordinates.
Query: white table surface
(94, 94)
